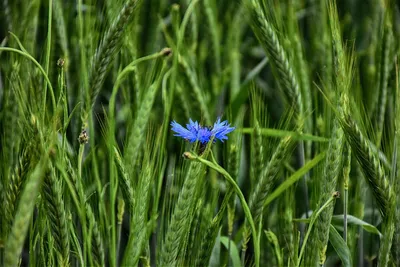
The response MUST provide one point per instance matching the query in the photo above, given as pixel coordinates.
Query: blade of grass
(294, 178)
(340, 247)
(234, 253)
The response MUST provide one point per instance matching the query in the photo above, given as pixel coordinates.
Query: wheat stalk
(328, 185)
(12, 194)
(108, 48)
(23, 216)
(276, 53)
(56, 215)
(181, 219)
(139, 219)
(96, 242)
(125, 182)
(138, 128)
(267, 178)
(383, 77)
(370, 163)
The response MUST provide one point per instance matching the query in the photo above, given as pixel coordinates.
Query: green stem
(283, 133)
(83, 94)
(9, 49)
(113, 196)
(312, 221)
(48, 50)
(213, 165)
(346, 197)
(80, 159)
(120, 218)
(346, 177)
(294, 178)
(83, 200)
(125, 72)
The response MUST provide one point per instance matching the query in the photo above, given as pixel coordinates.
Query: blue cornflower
(195, 132)
(221, 129)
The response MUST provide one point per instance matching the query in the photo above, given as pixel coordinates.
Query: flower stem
(213, 165)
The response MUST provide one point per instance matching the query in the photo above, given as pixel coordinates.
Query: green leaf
(302, 220)
(234, 253)
(284, 133)
(274, 240)
(19, 43)
(337, 221)
(294, 178)
(216, 252)
(340, 247)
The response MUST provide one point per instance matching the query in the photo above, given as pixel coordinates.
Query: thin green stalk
(396, 174)
(286, 226)
(120, 218)
(121, 76)
(103, 218)
(346, 178)
(80, 160)
(277, 249)
(294, 178)
(113, 259)
(84, 94)
(254, 72)
(47, 55)
(385, 68)
(25, 54)
(284, 133)
(312, 221)
(76, 245)
(257, 153)
(233, 167)
(306, 177)
(231, 220)
(78, 184)
(246, 209)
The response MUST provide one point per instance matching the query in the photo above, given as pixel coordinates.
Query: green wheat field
(199, 133)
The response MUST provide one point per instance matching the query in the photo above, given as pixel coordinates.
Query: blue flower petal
(195, 132)
(221, 129)
(182, 132)
(193, 126)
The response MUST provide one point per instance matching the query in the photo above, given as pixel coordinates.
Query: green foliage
(91, 174)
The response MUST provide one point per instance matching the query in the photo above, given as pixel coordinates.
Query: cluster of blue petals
(195, 132)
